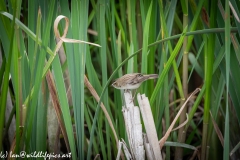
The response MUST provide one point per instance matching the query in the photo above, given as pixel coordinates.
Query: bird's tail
(152, 76)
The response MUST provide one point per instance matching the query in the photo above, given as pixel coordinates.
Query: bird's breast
(130, 86)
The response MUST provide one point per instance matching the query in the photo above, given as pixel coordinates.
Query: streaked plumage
(132, 80)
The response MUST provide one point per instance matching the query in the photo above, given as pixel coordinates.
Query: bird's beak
(113, 84)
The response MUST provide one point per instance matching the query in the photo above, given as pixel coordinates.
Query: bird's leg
(134, 95)
(129, 91)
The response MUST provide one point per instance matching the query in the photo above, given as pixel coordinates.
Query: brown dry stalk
(97, 157)
(13, 146)
(63, 37)
(181, 125)
(217, 130)
(95, 95)
(234, 12)
(56, 105)
(164, 138)
(195, 154)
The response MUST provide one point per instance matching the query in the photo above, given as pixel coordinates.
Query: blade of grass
(152, 37)
(38, 78)
(181, 133)
(145, 41)
(103, 146)
(3, 65)
(77, 68)
(200, 95)
(62, 96)
(41, 122)
(130, 67)
(103, 52)
(33, 7)
(165, 97)
(195, 63)
(195, 22)
(116, 53)
(121, 26)
(131, 10)
(17, 81)
(166, 34)
(36, 142)
(88, 118)
(209, 55)
(167, 67)
(3, 97)
(118, 95)
(227, 59)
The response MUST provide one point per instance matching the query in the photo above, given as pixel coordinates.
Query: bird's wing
(129, 78)
(139, 78)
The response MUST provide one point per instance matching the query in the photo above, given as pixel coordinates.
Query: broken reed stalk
(133, 125)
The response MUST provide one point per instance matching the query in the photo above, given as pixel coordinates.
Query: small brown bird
(132, 80)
